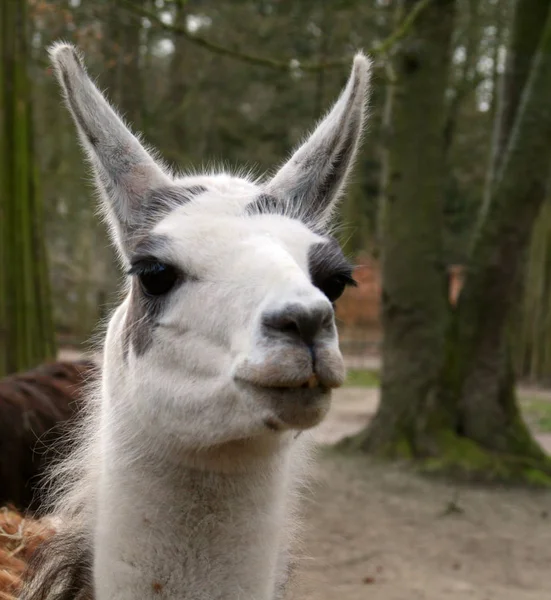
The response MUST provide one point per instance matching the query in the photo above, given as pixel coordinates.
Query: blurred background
(434, 483)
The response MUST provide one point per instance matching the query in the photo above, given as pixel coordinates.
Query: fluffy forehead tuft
(217, 194)
(207, 228)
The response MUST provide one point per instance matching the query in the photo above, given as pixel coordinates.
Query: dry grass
(19, 538)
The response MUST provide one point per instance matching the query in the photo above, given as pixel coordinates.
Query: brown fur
(34, 407)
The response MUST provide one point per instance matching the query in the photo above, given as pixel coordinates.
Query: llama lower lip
(297, 408)
(312, 385)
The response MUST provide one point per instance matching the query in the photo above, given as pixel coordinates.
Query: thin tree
(413, 277)
(26, 329)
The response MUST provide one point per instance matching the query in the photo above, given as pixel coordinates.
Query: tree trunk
(532, 348)
(448, 393)
(479, 375)
(414, 307)
(26, 329)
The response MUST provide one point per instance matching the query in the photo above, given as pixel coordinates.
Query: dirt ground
(380, 532)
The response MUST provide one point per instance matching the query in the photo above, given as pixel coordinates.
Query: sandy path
(379, 533)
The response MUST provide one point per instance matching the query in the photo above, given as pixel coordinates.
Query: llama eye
(334, 286)
(155, 278)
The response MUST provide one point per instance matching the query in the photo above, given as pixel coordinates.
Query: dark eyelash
(348, 279)
(144, 265)
(156, 279)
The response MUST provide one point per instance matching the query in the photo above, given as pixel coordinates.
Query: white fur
(179, 484)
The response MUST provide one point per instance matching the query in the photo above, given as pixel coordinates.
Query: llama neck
(164, 530)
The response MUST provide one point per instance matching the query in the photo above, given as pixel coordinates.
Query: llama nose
(299, 322)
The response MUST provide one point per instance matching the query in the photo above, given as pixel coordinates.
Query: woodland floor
(380, 532)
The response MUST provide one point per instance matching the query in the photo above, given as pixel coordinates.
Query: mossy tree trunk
(448, 391)
(26, 329)
(414, 307)
(478, 374)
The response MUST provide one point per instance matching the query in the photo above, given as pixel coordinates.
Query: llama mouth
(312, 383)
(297, 407)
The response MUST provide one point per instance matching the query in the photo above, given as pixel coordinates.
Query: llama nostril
(290, 328)
(280, 322)
(299, 322)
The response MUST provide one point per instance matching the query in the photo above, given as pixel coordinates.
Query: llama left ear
(310, 183)
(125, 171)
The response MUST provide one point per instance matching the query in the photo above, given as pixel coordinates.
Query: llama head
(227, 332)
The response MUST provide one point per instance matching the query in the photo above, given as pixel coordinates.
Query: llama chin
(187, 468)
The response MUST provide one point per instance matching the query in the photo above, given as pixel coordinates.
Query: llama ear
(310, 183)
(125, 172)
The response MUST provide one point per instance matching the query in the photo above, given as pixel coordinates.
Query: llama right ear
(309, 184)
(125, 172)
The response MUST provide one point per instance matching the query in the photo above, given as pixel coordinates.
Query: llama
(35, 408)
(223, 352)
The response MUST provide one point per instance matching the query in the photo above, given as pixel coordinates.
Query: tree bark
(414, 307)
(26, 330)
(479, 372)
(448, 388)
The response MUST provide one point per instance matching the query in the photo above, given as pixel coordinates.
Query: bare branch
(279, 65)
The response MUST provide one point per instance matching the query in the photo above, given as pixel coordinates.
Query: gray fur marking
(139, 323)
(266, 204)
(159, 203)
(142, 314)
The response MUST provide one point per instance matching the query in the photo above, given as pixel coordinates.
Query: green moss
(465, 459)
(459, 458)
(362, 378)
(403, 449)
(537, 478)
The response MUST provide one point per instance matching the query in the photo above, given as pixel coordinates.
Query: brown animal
(35, 406)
